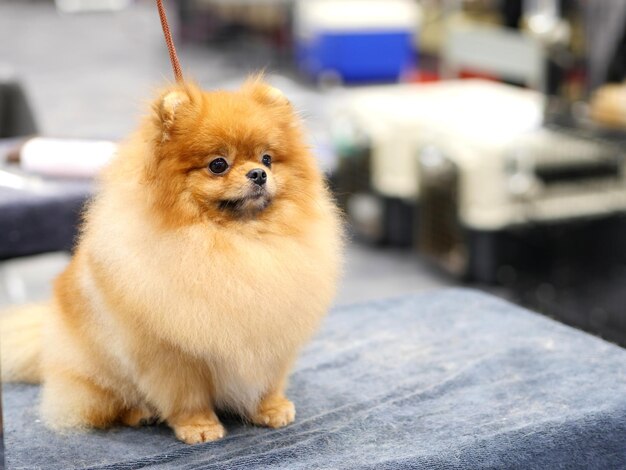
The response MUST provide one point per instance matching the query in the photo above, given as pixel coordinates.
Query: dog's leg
(275, 410)
(179, 388)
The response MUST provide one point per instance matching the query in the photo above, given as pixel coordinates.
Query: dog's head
(227, 155)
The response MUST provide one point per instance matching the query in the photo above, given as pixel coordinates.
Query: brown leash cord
(170, 43)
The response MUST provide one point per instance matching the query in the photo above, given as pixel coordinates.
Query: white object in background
(354, 15)
(400, 119)
(76, 6)
(504, 52)
(66, 157)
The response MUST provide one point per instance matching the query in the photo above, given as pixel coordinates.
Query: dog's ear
(171, 107)
(264, 93)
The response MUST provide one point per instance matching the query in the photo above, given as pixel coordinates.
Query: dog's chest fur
(243, 305)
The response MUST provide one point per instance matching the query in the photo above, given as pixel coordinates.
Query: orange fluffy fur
(177, 303)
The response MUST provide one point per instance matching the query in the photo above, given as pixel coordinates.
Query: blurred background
(476, 143)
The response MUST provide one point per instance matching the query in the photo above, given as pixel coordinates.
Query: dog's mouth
(254, 202)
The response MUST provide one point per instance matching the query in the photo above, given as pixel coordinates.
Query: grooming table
(448, 379)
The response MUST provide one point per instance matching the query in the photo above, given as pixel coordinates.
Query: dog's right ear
(171, 107)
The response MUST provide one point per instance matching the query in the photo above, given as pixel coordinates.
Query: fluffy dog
(206, 260)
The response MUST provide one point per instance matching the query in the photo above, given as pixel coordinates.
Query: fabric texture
(451, 379)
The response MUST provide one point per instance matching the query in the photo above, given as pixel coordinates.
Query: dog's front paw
(197, 433)
(198, 427)
(275, 412)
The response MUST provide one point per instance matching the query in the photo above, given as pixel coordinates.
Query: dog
(206, 260)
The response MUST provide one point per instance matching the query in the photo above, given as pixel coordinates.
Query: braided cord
(170, 43)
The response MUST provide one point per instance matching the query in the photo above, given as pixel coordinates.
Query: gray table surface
(446, 379)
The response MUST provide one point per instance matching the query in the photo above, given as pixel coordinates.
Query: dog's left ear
(168, 105)
(264, 93)
(171, 106)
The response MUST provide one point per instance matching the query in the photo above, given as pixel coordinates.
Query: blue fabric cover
(450, 379)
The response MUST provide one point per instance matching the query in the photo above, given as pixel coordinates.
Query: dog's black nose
(257, 176)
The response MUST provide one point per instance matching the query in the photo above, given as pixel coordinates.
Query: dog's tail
(20, 343)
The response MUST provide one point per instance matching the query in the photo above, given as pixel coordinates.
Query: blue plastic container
(358, 56)
(355, 40)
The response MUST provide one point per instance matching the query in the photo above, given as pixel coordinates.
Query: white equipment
(468, 157)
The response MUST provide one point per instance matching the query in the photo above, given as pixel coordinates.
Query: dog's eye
(219, 165)
(267, 160)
